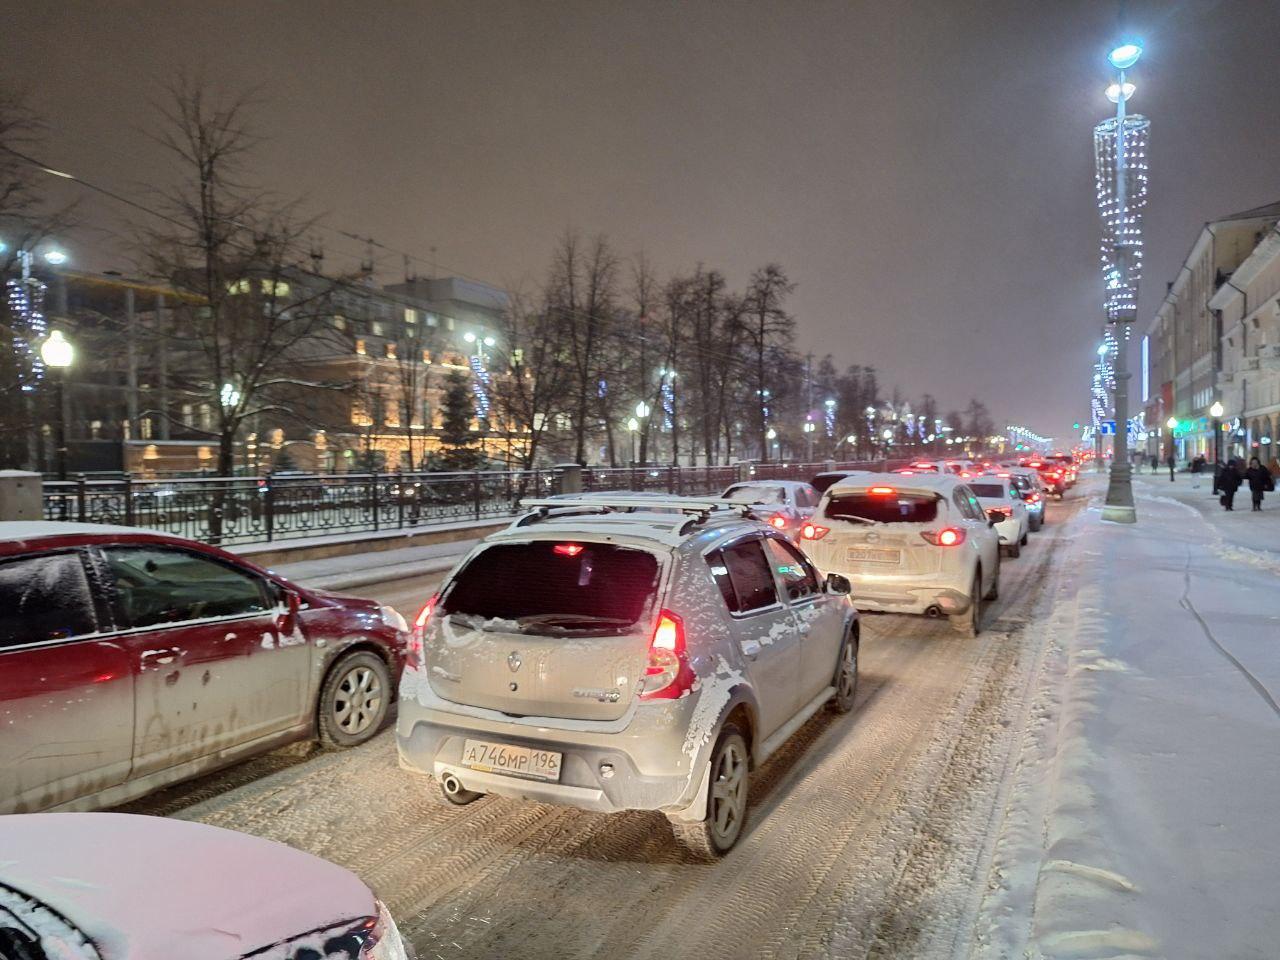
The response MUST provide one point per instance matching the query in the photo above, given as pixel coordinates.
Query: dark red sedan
(131, 659)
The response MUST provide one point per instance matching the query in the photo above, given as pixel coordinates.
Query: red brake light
(947, 537)
(811, 531)
(417, 638)
(567, 549)
(667, 676)
(882, 491)
(779, 521)
(965, 474)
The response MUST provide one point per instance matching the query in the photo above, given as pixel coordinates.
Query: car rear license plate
(871, 555)
(512, 761)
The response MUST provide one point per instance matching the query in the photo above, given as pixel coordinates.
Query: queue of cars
(611, 651)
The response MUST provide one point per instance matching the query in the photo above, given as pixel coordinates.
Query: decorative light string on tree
(26, 303)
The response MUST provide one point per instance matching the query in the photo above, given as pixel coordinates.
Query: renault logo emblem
(514, 661)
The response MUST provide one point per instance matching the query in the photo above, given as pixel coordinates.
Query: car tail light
(667, 675)
(1034, 498)
(417, 640)
(965, 474)
(382, 939)
(946, 537)
(567, 549)
(779, 521)
(882, 491)
(812, 531)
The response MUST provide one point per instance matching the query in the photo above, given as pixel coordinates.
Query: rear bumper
(634, 764)
(943, 594)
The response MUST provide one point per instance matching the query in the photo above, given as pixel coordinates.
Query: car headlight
(384, 942)
(393, 619)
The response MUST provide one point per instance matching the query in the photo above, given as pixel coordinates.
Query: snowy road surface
(869, 834)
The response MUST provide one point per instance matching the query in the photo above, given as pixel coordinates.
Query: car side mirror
(839, 585)
(288, 622)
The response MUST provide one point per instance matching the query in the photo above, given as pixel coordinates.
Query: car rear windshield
(988, 491)
(549, 587)
(884, 508)
(756, 492)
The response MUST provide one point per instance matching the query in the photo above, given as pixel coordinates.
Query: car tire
(846, 677)
(1023, 541)
(969, 623)
(354, 700)
(726, 813)
(1014, 550)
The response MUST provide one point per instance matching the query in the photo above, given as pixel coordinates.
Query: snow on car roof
(936, 482)
(155, 887)
(654, 527)
(36, 529)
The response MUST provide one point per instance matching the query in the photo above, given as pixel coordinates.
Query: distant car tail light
(779, 521)
(667, 676)
(812, 531)
(946, 537)
(1034, 498)
(417, 640)
(882, 491)
(567, 549)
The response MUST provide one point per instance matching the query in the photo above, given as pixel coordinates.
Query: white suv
(919, 544)
(1002, 502)
(615, 660)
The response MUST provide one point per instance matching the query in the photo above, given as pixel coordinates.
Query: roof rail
(696, 509)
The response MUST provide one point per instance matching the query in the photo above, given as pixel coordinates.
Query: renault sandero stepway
(603, 655)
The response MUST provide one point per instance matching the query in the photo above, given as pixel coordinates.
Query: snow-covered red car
(130, 659)
(110, 886)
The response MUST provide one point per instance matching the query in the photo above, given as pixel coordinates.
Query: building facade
(1183, 343)
(1249, 306)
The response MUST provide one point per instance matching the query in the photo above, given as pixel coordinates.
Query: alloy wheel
(357, 700)
(728, 793)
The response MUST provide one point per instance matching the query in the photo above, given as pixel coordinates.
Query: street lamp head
(229, 395)
(1216, 410)
(642, 409)
(830, 403)
(1120, 91)
(56, 257)
(469, 337)
(851, 438)
(57, 351)
(489, 341)
(772, 434)
(1172, 423)
(1126, 55)
(633, 424)
(1102, 349)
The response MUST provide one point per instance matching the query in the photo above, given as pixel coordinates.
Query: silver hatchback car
(614, 660)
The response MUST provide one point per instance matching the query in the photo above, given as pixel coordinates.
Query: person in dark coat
(1229, 483)
(1260, 481)
(1172, 463)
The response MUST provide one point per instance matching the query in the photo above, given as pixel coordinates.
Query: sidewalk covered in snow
(1143, 815)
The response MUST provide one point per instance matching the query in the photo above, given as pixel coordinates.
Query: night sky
(922, 169)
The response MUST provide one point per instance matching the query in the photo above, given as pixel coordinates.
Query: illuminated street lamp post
(1121, 197)
(1216, 412)
(58, 354)
(632, 426)
(809, 428)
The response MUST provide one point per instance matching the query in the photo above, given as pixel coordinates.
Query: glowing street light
(1216, 410)
(1172, 423)
(58, 354)
(55, 257)
(1120, 91)
(229, 396)
(1102, 349)
(1126, 55)
(642, 409)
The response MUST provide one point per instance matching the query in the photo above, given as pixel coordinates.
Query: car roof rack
(696, 509)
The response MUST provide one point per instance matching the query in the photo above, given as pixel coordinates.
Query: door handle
(159, 658)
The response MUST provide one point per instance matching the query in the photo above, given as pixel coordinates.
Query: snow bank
(1141, 818)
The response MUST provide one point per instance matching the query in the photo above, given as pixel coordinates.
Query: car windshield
(884, 508)
(756, 492)
(988, 491)
(549, 587)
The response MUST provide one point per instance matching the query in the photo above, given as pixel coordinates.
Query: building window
(426, 356)
(410, 315)
(360, 347)
(378, 328)
(390, 350)
(339, 322)
(95, 429)
(448, 323)
(144, 428)
(431, 320)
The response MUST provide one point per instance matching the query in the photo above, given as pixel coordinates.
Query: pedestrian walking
(1172, 463)
(1197, 464)
(1229, 483)
(1260, 481)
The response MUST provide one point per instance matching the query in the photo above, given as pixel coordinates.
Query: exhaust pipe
(452, 785)
(934, 612)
